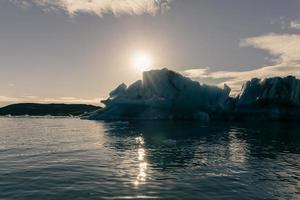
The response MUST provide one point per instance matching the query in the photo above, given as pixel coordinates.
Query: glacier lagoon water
(67, 158)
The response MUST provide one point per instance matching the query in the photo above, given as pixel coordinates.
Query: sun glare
(142, 61)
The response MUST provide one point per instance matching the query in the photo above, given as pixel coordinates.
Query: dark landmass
(35, 109)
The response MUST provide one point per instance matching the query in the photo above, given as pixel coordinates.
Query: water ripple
(68, 158)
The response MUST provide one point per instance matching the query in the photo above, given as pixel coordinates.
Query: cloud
(21, 3)
(285, 48)
(100, 7)
(72, 100)
(295, 24)
(5, 99)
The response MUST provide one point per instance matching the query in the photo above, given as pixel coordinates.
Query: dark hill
(35, 109)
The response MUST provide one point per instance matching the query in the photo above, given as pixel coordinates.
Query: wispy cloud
(5, 99)
(295, 24)
(285, 48)
(21, 3)
(100, 7)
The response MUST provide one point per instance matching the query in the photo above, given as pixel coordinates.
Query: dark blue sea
(73, 159)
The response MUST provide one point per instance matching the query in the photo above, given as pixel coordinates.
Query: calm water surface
(65, 158)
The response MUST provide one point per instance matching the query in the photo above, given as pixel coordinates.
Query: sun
(142, 61)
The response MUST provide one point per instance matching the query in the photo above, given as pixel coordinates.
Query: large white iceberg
(163, 94)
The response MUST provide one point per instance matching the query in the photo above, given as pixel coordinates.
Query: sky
(76, 51)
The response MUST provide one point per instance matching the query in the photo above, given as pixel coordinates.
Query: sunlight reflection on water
(142, 167)
(237, 148)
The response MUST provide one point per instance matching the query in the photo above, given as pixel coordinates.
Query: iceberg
(271, 98)
(163, 94)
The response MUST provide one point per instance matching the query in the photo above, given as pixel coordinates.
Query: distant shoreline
(51, 110)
